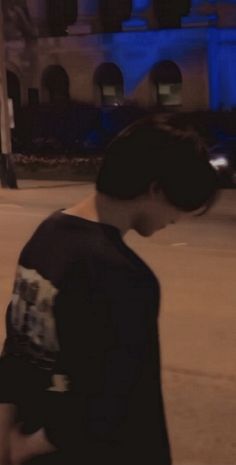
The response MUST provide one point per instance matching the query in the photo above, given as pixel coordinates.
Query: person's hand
(18, 446)
(5, 452)
(24, 447)
(7, 420)
(4, 459)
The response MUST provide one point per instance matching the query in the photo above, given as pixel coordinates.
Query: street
(195, 261)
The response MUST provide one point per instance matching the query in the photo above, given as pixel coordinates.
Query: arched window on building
(56, 84)
(61, 13)
(17, 22)
(109, 82)
(141, 16)
(13, 88)
(168, 13)
(166, 80)
(14, 95)
(113, 13)
(70, 11)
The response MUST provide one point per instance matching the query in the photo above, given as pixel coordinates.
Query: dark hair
(149, 151)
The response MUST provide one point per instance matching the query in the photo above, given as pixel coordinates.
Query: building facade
(112, 53)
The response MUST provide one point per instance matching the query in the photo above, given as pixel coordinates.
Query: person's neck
(103, 209)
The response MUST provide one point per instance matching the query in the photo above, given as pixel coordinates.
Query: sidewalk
(196, 264)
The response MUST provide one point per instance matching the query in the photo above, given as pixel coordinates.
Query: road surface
(195, 261)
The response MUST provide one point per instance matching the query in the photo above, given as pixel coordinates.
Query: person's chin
(147, 233)
(142, 232)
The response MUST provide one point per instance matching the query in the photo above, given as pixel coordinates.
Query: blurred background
(73, 73)
(78, 71)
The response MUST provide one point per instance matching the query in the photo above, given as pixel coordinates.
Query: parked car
(222, 157)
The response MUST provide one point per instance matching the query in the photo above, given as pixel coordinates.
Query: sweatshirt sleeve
(103, 337)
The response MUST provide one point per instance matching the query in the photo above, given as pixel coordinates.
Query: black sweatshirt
(81, 357)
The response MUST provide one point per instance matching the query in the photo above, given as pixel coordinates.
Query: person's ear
(154, 189)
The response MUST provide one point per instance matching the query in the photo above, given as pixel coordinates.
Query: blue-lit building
(190, 67)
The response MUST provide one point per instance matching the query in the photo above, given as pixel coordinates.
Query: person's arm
(8, 410)
(24, 447)
(16, 447)
(104, 342)
(7, 419)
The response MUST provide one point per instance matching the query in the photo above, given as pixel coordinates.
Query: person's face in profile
(156, 213)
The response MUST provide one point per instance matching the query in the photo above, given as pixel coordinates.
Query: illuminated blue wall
(222, 68)
(227, 67)
(136, 53)
(137, 22)
(140, 5)
(213, 69)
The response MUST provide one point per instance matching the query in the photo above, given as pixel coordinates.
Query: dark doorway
(109, 81)
(56, 83)
(14, 94)
(166, 79)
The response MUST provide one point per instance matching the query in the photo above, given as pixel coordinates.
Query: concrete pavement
(195, 261)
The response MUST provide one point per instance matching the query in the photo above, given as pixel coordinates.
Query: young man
(81, 361)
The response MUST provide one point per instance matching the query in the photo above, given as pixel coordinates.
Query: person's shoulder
(49, 222)
(47, 236)
(58, 226)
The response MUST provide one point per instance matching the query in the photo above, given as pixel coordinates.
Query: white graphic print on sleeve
(32, 317)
